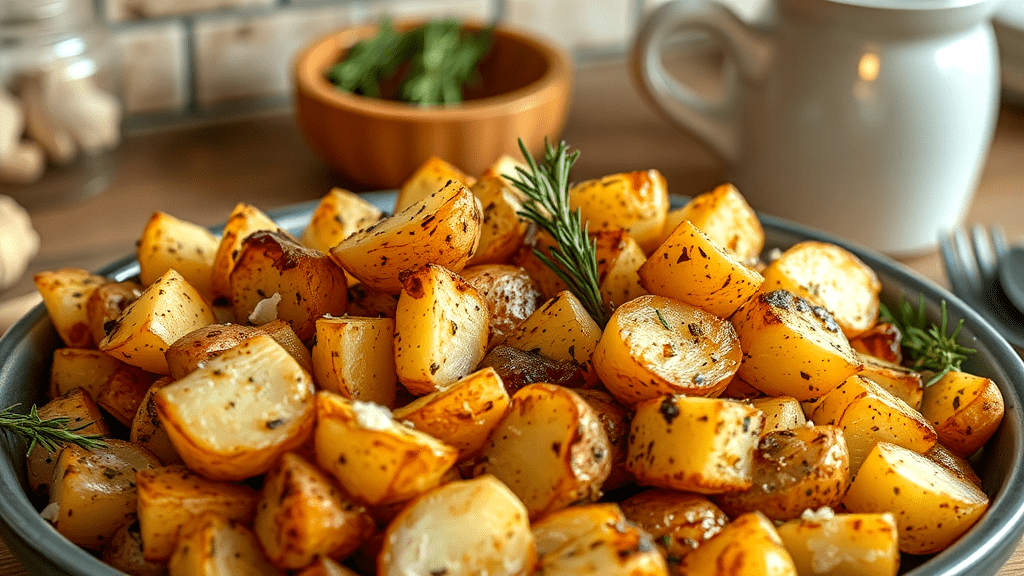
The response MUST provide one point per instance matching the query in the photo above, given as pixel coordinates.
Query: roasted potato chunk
(243, 221)
(169, 243)
(780, 413)
(517, 368)
(166, 311)
(654, 345)
(792, 348)
(107, 302)
(124, 553)
(442, 229)
(430, 177)
(355, 357)
(615, 418)
(965, 411)
(900, 381)
(725, 217)
(550, 449)
(147, 430)
(84, 368)
(633, 201)
(441, 329)
(843, 544)
(65, 294)
(124, 392)
(829, 276)
(503, 229)
(510, 293)
(678, 521)
(562, 330)
(232, 418)
(309, 282)
(881, 341)
(462, 528)
(606, 549)
(748, 545)
(212, 545)
(619, 258)
(78, 407)
(703, 445)
(338, 215)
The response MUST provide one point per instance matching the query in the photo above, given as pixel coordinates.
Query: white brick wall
(154, 67)
(120, 10)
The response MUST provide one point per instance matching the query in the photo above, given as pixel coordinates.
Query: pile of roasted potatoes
(418, 394)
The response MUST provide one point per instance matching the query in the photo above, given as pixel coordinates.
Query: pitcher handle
(716, 124)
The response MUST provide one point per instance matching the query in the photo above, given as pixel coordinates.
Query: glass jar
(60, 110)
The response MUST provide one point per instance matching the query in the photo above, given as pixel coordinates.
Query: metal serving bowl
(27, 348)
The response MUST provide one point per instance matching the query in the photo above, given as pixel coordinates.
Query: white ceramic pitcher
(870, 119)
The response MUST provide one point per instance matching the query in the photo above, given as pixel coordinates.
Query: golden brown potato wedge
(370, 303)
(462, 528)
(93, 490)
(881, 341)
(931, 505)
(502, 229)
(747, 545)
(461, 414)
(326, 567)
(166, 311)
(780, 413)
(232, 418)
(84, 368)
(703, 445)
(338, 215)
(65, 294)
(170, 496)
(212, 545)
(964, 409)
(792, 348)
(563, 526)
(725, 217)
(510, 293)
(902, 382)
(615, 418)
(633, 201)
(562, 330)
(170, 243)
(442, 229)
(691, 268)
(606, 550)
(678, 521)
(550, 449)
(655, 345)
(243, 221)
(355, 357)
(309, 283)
(124, 392)
(202, 344)
(843, 544)
(147, 431)
(78, 407)
(619, 257)
(517, 368)
(960, 467)
(442, 326)
(302, 515)
(124, 553)
(107, 302)
(430, 177)
(829, 276)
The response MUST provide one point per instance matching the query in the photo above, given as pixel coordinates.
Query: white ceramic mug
(870, 119)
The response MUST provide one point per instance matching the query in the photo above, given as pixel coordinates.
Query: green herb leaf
(662, 319)
(574, 257)
(52, 433)
(929, 347)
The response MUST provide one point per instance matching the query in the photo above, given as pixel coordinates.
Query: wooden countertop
(200, 173)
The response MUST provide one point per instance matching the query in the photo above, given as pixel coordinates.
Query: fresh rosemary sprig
(52, 433)
(574, 256)
(930, 347)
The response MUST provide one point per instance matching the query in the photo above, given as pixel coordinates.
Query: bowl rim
(310, 82)
(982, 551)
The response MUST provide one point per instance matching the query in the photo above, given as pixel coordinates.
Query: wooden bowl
(523, 93)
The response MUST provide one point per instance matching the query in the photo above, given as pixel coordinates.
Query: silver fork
(972, 266)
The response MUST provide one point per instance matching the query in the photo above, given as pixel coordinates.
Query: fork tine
(984, 253)
(999, 242)
(959, 260)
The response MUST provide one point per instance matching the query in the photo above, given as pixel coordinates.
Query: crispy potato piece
(619, 257)
(633, 201)
(510, 293)
(748, 545)
(960, 467)
(780, 413)
(94, 490)
(243, 221)
(881, 341)
(441, 329)
(84, 368)
(831, 277)
(326, 567)
(462, 528)
(691, 268)
(794, 470)
(232, 418)
(503, 229)
(376, 460)
(170, 496)
(107, 302)
(505, 167)
(606, 549)
(725, 217)
(843, 544)
(965, 411)
(562, 330)
(65, 294)
(740, 389)
(166, 311)
(526, 258)
(309, 282)
(678, 521)
(124, 392)
(902, 382)
(78, 407)
(931, 505)
(212, 545)
(792, 348)
(461, 414)
(615, 418)
(355, 357)
(147, 431)
(550, 449)
(169, 243)
(370, 303)
(301, 515)
(201, 344)
(867, 414)
(655, 345)
(517, 368)
(430, 177)
(703, 445)
(124, 552)
(563, 526)
(442, 229)
(338, 215)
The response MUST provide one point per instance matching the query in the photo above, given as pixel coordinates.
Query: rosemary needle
(574, 256)
(930, 347)
(52, 433)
